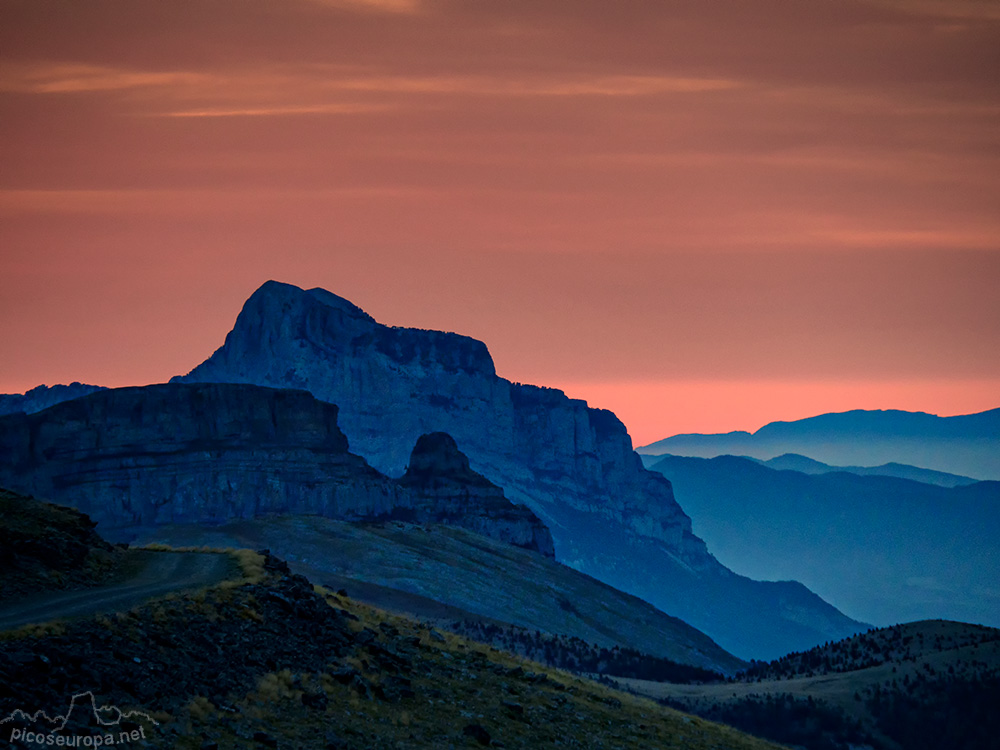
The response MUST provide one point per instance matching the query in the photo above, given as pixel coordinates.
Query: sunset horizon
(524, 374)
(704, 217)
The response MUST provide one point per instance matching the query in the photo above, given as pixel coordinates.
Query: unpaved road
(145, 574)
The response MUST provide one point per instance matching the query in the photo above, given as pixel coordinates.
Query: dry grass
(251, 564)
(42, 630)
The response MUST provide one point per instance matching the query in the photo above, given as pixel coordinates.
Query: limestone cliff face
(209, 453)
(174, 454)
(394, 384)
(443, 488)
(572, 465)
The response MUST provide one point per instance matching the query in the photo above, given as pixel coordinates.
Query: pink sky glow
(702, 215)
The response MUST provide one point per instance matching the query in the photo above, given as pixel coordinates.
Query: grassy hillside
(45, 547)
(448, 574)
(272, 661)
(923, 685)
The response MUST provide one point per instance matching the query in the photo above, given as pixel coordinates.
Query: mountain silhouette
(572, 465)
(967, 445)
(884, 549)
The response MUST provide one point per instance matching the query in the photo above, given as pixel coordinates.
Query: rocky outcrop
(394, 384)
(572, 465)
(43, 396)
(46, 546)
(209, 453)
(444, 489)
(173, 454)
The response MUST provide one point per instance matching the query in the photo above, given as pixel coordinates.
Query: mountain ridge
(965, 445)
(885, 549)
(574, 466)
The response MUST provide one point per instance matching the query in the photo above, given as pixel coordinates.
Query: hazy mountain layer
(795, 462)
(572, 465)
(885, 550)
(966, 445)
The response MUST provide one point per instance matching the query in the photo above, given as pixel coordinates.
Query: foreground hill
(48, 547)
(265, 659)
(967, 445)
(572, 465)
(921, 686)
(447, 575)
(884, 549)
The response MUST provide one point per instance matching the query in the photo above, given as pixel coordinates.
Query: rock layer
(210, 453)
(444, 489)
(572, 465)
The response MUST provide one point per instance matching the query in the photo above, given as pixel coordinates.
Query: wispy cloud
(311, 89)
(875, 238)
(381, 6)
(76, 78)
(332, 108)
(971, 9)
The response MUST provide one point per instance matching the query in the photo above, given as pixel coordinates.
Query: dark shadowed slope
(269, 660)
(920, 686)
(54, 565)
(144, 574)
(466, 572)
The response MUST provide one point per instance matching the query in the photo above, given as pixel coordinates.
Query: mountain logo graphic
(81, 707)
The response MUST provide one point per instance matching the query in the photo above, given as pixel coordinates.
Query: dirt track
(144, 575)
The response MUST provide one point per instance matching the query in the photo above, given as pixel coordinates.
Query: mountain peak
(437, 455)
(287, 337)
(272, 293)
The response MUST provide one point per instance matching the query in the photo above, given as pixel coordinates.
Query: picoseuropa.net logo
(85, 724)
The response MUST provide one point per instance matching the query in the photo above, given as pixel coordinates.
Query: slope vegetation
(266, 659)
(447, 574)
(923, 685)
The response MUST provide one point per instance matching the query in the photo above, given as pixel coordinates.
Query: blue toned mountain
(572, 465)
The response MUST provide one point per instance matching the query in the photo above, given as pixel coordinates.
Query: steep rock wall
(572, 465)
(210, 453)
(443, 488)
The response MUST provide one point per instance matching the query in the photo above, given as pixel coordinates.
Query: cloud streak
(695, 190)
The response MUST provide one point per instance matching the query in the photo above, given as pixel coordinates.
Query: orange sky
(704, 214)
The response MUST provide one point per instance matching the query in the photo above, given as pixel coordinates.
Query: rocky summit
(571, 465)
(443, 488)
(210, 453)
